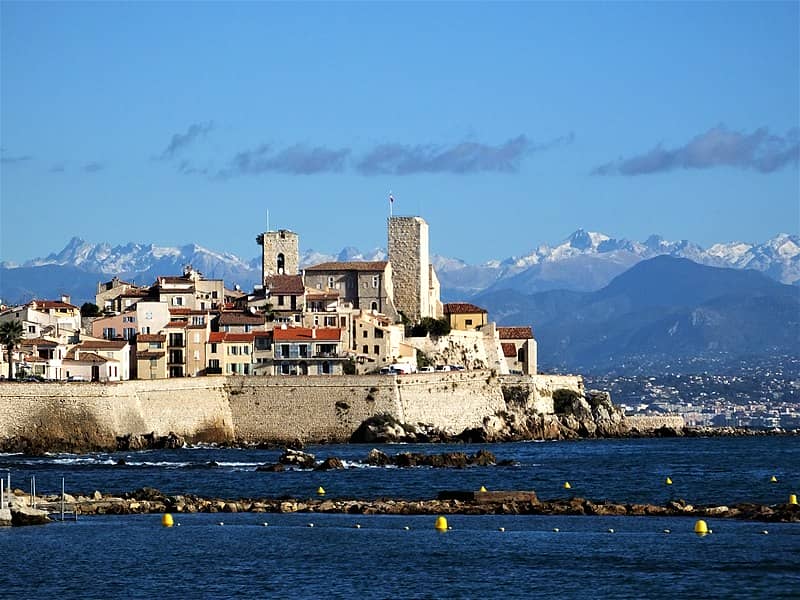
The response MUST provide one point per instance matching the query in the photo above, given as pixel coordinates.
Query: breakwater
(262, 409)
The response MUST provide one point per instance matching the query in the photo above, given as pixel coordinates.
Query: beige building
(465, 316)
(98, 360)
(376, 342)
(53, 318)
(151, 356)
(230, 353)
(519, 349)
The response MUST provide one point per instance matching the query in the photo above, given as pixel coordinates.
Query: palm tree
(10, 336)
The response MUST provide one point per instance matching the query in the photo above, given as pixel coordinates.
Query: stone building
(366, 285)
(280, 254)
(416, 287)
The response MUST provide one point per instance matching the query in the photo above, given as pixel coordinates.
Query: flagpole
(391, 204)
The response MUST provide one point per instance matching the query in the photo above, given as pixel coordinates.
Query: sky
(504, 125)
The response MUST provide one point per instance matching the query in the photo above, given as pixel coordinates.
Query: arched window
(281, 263)
(374, 306)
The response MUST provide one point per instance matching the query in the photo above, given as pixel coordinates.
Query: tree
(89, 309)
(10, 336)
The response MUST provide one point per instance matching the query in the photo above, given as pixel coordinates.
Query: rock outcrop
(150, 441)
(587, 415)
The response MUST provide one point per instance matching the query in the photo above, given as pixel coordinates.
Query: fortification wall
(308, 408)
(98, 412)
(651, 423)
(536, 391)
(451, 401)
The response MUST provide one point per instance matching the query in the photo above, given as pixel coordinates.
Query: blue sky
(505, 125)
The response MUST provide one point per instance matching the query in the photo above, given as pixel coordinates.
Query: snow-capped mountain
(584, 261)
(587, 261)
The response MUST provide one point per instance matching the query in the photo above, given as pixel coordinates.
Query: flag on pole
(391, 199)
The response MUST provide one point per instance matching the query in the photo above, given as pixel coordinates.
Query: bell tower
(280, 253)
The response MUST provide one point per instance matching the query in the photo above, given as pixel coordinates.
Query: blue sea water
(133, 556)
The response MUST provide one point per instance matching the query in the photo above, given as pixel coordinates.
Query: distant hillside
(664, 306)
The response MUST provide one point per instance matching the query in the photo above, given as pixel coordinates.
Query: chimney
(314, 333)
(65, 298)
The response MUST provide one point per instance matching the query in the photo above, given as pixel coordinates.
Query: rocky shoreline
(151, 501)
(575, 416)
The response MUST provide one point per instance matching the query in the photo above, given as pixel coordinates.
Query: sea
(258, 555)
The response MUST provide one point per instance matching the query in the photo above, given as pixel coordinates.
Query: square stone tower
(280, 253)
(410, 259)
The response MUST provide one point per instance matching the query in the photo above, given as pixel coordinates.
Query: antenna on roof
(267, 219)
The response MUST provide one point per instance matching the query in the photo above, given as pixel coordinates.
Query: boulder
(5, 517)
(22, 514)
(330, 463)
(297, 459)
(376, 458)
(276, 468)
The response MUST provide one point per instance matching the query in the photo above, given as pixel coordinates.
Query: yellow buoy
(701, 527)
(668, 481)
(441, 524)
(567, 486)
(320, 491)
(166, 520)
(792, 498)
(483, 489)
(773, 479)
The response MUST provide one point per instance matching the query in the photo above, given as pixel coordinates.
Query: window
(177, 301)
(213, 348)
(196, 338)
(31, 329)
(376, 280)
(213, 363)
(129, 333)
(468, 321)
(198, 320)
(214, 294)
(330, 321)
(247, 328)
(197, 354)
(364, 333)
(377, 349)
(330, 281)
(148, 316)
(374, 306)
(280, 300)
(145, 330)
(246, 350)
(128, 319)
(154, 345)
(262, 343)
(521, 355)
(365, 349)
(378, 333)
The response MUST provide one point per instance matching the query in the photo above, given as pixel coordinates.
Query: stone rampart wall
(259, 408)
(648, 423)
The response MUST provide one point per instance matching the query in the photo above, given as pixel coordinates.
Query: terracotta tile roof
(293, 334)
(240, 318)
(326, 294)
(262, 333)
(176, 325)
(151, 337)
(91, 357)
(220, 337)
(284, 284)
(46, 304)
(148, 354)
(359, 265)
(239, 337)
(38, 342)
(102, 345)
(509, 350)
(515, 333)
(186, 311)
(462, 308)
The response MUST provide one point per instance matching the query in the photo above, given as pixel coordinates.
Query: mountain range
(596, 304)
(584, 261)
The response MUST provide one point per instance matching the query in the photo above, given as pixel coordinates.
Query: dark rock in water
(666, 432)
(212, 464)
(121, 462)
(376, 458)
(483, 458)
(381, 429)
(276, 468)
(330, 463)
(445, 460)
(150, 441)
(474, 435)
(298, 459)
